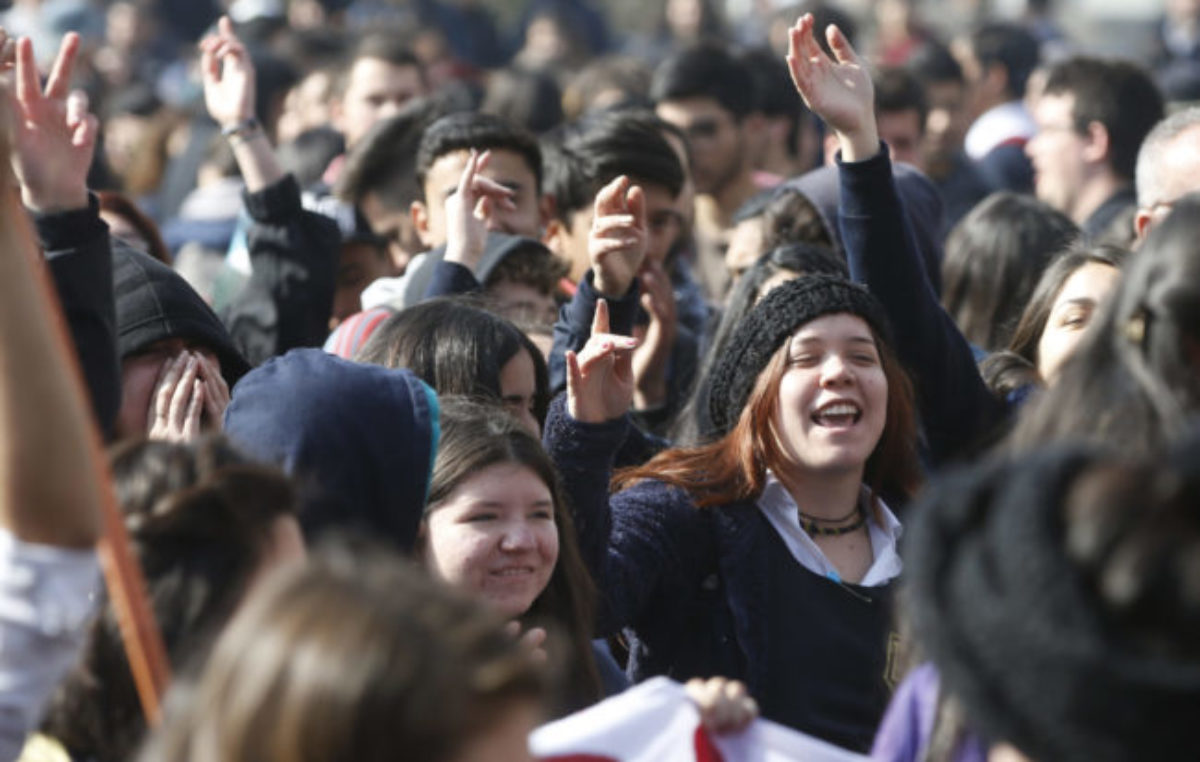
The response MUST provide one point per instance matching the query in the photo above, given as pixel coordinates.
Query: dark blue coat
(689, 584)
(359, 439)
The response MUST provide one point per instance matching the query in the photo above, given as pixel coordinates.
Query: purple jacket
(907, 725)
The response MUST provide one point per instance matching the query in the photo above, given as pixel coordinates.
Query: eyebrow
(818, 340)
(1080, 301)
(502, 503)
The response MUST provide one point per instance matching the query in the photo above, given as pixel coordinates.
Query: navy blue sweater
(957, 409)
(691, 588)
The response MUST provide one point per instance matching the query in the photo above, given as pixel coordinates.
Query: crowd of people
(430, 384)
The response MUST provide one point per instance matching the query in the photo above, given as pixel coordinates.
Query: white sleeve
(47, 597)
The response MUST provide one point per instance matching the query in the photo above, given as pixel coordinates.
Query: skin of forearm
(861, 143)
(256, 159)
(48, 447)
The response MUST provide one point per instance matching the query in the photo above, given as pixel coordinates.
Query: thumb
(483, 208)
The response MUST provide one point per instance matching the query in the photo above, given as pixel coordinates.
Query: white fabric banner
(656, 722)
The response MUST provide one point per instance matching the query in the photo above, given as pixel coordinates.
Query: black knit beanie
(1019, 633)
(769, 324)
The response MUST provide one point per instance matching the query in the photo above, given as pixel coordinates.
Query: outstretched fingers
(59, 81)
(843, 51)
(600, 317)
(28, 91)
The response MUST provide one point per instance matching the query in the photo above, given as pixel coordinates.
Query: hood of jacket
(359, 439)
(155, 303)
(917, 192)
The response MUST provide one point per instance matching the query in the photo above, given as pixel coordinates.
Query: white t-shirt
(47, 597)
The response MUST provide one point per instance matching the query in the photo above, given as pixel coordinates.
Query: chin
(839, 463)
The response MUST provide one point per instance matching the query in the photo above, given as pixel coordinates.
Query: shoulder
(652, 507)
(657, 495)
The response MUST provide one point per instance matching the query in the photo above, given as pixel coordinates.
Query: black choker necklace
(812, 524)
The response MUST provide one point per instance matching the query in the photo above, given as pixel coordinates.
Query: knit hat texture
(769, 324)
(1018, 630)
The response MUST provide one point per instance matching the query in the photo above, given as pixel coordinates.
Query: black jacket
(77, 249)
(294, 255)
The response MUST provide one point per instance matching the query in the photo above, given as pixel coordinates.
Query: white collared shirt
(777, 505)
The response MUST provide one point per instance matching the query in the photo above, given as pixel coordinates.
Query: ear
(546, 209)
(552, 236)
(420, 220)
(1141, 225)
(1098, 143)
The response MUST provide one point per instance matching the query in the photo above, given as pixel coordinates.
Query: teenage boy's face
(664, 223)
(718, 150)
(508, 168)
(375, 91)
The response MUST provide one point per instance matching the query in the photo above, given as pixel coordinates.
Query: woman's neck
(829, 496)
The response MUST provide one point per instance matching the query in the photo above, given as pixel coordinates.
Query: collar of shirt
(777, 505)
(998, 125)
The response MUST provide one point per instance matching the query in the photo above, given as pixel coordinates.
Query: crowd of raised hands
(531, 535)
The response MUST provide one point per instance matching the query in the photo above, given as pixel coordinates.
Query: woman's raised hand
(838, 90)
(600, 378)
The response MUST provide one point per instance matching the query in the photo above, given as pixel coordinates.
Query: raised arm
(48, 447)
(633, 540)
(293, 252)
(229, 84)
(957, 409)
(467, 213)
(616, 247)
(54, 140)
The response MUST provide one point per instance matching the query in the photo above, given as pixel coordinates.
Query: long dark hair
(1135, 377)
(475, 436)
(199, 517)
(994, 257)
(1016, 366)
(457, 348)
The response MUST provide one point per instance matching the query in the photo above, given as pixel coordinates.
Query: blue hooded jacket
(360, 439)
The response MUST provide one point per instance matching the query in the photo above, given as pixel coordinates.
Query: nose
(518, 537)
(835, 371)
